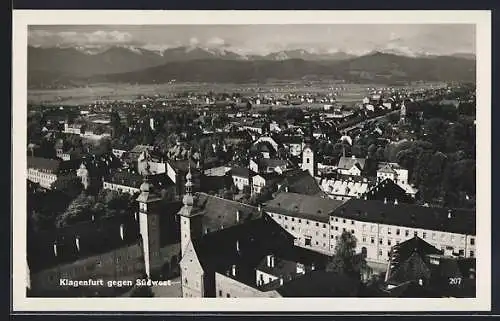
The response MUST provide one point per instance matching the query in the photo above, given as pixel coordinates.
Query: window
(343, 229)
(424, 235)
(300, 221)
(389, 231)
(307, 160)
(324, 225)
(389, 242)
(293, 228)
(293, 219)
(398, 231)
(317, 224)
(336, 219)
(415, 233)
(324, 235)
(352, 222)
(336, 228)
(220, 292)
(331, 236)
(286, 227)
(461, 252)
(452, 238)
(472, 241)
(336, 237)
(471, 253)
(372, 240)
(317, 242)
(352, 231)
(307, 241)
(307, 222)
(407, 233)
(380, 253)
(380, 241)
(332, 227)
(286, 218)
(343, 221)
(364, 239)
(228, 295)
(433, 236)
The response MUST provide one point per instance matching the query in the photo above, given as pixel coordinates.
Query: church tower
(308, 161)
(190, 220)
(402, 113)
(149, 226)
(83, 173)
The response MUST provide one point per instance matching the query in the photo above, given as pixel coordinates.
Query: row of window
(398, 231)
(293, 219)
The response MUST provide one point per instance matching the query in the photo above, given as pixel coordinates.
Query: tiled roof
(305, 206)
(388, 190)
(409, 215)
(349, 162)
(97, 237)
(219, 213)
(242, 172)
(301, 182)
(349, 188)
(51, 165)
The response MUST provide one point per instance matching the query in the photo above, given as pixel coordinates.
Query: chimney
(269, 260)
(385, 200)
(420, 282)
(313, 267)
(122, 231)
(93, 217)
(55, 248)
(281, 281)
(237, 246)
(272, 260)
(449, 214)
(237, 216)
(77, 243)
(396, 201)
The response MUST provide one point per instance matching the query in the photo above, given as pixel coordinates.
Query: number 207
(455, 281)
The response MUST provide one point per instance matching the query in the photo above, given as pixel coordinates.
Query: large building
(45, 171)
(317, 223)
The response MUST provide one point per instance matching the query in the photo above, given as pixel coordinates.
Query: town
(255, 194)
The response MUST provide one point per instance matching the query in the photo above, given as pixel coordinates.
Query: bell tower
(402, 113)
(308, 161)
(149, 226)
(190, 220)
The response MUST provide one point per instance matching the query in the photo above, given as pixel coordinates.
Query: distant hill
(48, 66)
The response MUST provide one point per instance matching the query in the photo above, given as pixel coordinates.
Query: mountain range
(56, 65)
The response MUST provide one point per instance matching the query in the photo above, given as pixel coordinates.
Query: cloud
(73, 38)
(194, 41)
(216, 42)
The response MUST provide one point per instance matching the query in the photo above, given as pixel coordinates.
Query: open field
(346, 93)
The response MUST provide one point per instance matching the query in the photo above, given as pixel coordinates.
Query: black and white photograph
(295, 159)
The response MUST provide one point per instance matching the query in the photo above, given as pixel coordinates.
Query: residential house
(351, 166)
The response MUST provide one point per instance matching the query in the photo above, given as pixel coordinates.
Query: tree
(78, 210)
(345, 260)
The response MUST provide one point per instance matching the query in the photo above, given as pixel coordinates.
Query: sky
(263, 39)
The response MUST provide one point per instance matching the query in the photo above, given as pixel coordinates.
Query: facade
(377, 225)
(242, 177)
(46, 171)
